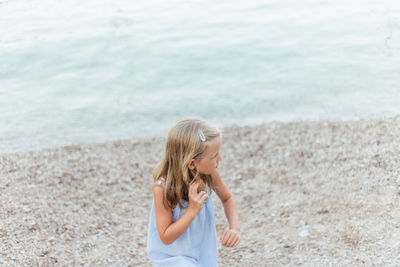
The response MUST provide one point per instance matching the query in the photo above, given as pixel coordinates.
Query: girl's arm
(230, 238)
(167, 230)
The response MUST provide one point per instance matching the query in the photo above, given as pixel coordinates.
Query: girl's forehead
(214, 145)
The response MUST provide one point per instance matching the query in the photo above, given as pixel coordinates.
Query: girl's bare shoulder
(160, 183)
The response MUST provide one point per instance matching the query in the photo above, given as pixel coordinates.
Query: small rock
(305, 231)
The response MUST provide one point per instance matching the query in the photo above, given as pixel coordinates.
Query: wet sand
(309, 193)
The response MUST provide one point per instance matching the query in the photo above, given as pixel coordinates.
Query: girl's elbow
(166, 241)
(165, 236)
(228, 199)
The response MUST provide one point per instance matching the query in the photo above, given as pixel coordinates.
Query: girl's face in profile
(209, 162)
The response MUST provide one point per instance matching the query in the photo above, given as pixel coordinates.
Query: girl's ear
(192, 164)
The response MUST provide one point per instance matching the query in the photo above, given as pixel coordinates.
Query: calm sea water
(86, 71)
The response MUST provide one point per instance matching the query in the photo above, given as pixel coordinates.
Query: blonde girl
(182, 225)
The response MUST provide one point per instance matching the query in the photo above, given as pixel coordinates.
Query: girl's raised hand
(196, 200)
(230, 238)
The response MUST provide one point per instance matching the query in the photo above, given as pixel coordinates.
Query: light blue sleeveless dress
(197, 246)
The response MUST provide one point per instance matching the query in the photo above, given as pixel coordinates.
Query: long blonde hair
(184, 142)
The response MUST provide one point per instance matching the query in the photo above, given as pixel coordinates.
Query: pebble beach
(309, 193)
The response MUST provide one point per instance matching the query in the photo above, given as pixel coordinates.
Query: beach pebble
(305, 231)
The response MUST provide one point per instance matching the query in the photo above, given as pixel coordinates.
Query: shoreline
(245, 125)
(308, 193)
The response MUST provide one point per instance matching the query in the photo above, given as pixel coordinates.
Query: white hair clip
(202, 136)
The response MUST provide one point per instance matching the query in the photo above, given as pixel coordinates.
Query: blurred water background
(89, 71)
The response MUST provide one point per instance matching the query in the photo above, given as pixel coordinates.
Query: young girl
(182, 226)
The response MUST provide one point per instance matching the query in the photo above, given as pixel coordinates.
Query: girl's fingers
(230, 239)
(193, 187)
(237, 242)
(224, 239)
(233, 241)
(203, 196)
